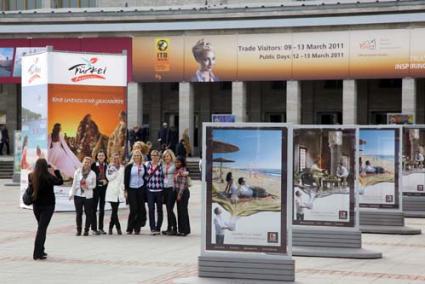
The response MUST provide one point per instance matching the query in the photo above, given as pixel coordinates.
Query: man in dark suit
(4, 140)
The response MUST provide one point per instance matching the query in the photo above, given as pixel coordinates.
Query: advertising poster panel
(84, 105)
(379, 167)
(17, 153)
(34, 115)
(246, 189)
(20, 52)
(401, 118)
(324, 177)
(6, 61)
(413, 161)
(385, 53)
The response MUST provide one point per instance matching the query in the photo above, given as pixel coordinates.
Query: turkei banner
(324, 176)
(379, 167)
(413, 162)
(76, 103)
(361, 54)
(246, 189)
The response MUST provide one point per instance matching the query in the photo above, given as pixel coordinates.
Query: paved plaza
(160, 259)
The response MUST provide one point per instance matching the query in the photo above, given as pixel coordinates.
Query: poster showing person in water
(413, 161)
(324, 177)
(378, 167)
(246, 189)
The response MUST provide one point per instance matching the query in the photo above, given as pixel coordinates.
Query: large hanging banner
(74, 105)
(360, 54)
(379, 162)
(414, 161)
(324, 177)
(246, 189)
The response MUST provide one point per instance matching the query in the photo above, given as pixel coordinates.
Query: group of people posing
(163, 179)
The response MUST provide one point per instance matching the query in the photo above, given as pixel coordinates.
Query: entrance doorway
(329, 118)
(275, 117)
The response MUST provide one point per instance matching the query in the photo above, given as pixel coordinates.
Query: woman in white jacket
(115, 190)
(82, 192)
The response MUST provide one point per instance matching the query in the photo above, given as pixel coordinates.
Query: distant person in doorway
(181, 149)
(4, 140)
(164, 137)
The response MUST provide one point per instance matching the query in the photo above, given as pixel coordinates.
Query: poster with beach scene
(324, 177)
(246, 189)
(413, 161)
(6, 60)
(378, 167)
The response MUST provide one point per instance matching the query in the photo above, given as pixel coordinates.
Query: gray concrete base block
(329, 238)
(381, 218)
(414, 214)
(414, 206)
(16, 178)
(356, 253)
(199, 280)
(247, 268)
(394, 230)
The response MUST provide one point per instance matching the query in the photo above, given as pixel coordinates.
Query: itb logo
(162, 49)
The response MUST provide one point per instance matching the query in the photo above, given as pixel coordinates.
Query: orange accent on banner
(87, 77)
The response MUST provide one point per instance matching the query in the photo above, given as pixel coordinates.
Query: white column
(186, 110)
(47, 4)
(239, 101)
(408, 96)
(349, 102)
(134, 104)
(293, 101)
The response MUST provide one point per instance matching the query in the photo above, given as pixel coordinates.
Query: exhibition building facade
(306, 62)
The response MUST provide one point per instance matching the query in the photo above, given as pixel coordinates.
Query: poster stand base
(256, 269)
(385, 223)
(414, 206)
(330, 243)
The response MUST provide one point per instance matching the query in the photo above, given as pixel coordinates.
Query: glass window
(74, 3)
(10, 5)
(303, 158)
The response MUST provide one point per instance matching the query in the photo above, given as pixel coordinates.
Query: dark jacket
(95, 168)
(4, 135)
(127, 175)
(181, 150)
(46, 194)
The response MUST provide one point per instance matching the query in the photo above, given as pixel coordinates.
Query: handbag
(27, 196)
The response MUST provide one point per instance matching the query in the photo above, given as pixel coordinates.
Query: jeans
(98, 200)
(114, 216)
(170, 200)
(87, 204)
(219, 239)
(155, 198)
(137, 216)
(43, 214)
(183, 213)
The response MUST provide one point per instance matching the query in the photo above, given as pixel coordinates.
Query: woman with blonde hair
(135, 186)
(203, 53)
(169, 168)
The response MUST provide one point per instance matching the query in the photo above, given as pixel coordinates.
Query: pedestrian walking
(115, 191)
(41, 181)
(135, 186)
(169, 193)
(82, 193)
(181, 187)
(99, 168)
(155, 186)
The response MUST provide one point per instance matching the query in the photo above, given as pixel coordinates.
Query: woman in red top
(181, 187)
